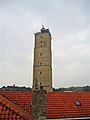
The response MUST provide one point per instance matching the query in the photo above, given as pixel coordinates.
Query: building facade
(42, 68)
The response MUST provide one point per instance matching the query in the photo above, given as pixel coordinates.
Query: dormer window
(77, 103)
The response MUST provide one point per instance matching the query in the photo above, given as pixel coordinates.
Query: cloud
(69, 23)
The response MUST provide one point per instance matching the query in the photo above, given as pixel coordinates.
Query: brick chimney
(39, 104)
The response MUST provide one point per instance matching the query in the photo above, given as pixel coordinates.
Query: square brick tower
(42, 68)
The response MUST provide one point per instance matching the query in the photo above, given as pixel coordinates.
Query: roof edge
(12, 106)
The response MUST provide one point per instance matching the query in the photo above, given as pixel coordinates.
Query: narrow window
(40, 54)
(41, 63)
(41, 41)
(40, 73)
(41, 45)
(41, 36)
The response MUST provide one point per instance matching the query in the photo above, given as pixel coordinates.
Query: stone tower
(42, 68)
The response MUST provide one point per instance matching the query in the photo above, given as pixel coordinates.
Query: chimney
(39, 104)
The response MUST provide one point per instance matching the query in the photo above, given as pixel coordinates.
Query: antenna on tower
(42, 26)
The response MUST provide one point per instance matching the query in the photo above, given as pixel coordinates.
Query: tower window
(41, 41)
(41, 36)
(41, 63)
(40, 54)
(41, 45)
(40, 73)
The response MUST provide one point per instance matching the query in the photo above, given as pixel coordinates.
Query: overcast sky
(69, 24)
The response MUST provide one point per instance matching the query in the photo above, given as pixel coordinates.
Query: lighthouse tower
(42, 68)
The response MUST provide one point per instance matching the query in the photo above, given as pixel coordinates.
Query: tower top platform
(43, 30)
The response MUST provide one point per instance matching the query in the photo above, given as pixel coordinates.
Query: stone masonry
(42, 68)
(39, 104)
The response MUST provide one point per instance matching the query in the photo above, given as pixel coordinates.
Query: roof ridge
(17, 109)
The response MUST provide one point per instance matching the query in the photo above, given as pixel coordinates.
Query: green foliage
(71, 89)
(16, 88)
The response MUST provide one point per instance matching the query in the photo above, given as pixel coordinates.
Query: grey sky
(69, 23)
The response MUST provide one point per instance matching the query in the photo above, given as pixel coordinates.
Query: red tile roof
(59, 104)
(22, 99)
(9, 110)
(62, 104)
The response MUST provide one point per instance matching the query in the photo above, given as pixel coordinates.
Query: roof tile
(59, 104)
(9, 110)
